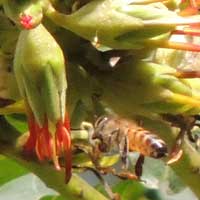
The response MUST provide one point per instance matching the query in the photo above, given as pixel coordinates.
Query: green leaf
(129, 189)
(17, 107)
(10, 170)
(28, 186)
(8, 34)
(18, 121)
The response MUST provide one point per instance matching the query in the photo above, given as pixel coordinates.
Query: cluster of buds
(39, 64)
(151, 89)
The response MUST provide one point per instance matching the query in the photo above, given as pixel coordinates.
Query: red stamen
(180, 46)
(187, 31)
(43, 144)
(188, 11)
(68, 155)
(31, 142)
(186, 74)
(66, 138)
(58, 144)
(63, 136)
(46, 147)
(46, 141)
(68, 165)
(38, 148)
(192, 9)
(26, 21)
(67, 122)
(193, 4)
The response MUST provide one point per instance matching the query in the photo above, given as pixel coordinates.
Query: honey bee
(115, 134)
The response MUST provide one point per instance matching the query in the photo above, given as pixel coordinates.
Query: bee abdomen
(146, 143)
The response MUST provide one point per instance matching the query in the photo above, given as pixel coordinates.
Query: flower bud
(119, 24)
(39, 67)
(144, 88)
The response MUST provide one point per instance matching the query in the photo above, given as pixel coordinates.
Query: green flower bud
(39, 67)
(118, 24)
(144, 88)
(40, 71)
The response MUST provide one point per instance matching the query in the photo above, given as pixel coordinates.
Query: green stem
(59, 19)
(76, 189)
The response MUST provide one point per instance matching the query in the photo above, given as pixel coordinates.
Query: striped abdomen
(146, 143)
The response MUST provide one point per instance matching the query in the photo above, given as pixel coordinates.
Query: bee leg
(139, 166)
(93, 153)
(186, 124)
(124, 149)
(197, 142)
(195, 138)
(176, 151)
(190, 123)
(112, 196)
(186, 73)
(125, 175)
(197, 135)
(95, 156)
(191, 137)
(129, 175)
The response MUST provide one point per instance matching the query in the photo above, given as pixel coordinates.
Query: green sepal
(39, 66)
